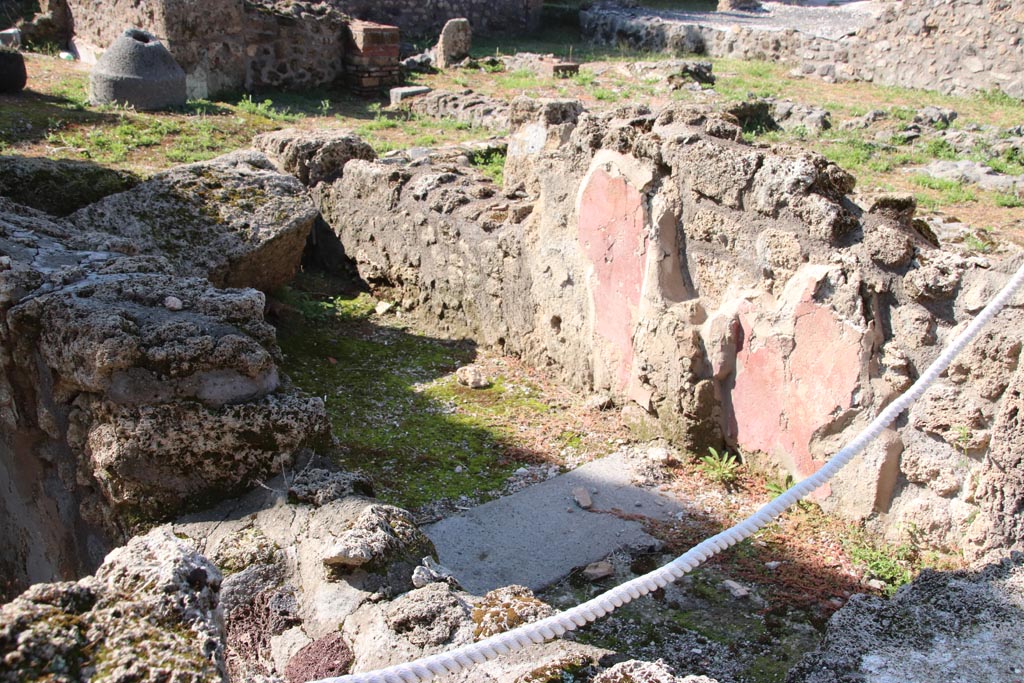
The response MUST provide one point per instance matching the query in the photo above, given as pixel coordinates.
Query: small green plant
(584, 79)
(940, 149)
(266, 109)
(800, 132)
(571, 439)
(777, 488)
(491, 163)
(979, 243)
(1009, 200)
(963, 437)
(894, 566)
(325, 107)
(606, 95)
(723, 468)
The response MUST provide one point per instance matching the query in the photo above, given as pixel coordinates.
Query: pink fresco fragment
(782, 397)
(613, 237)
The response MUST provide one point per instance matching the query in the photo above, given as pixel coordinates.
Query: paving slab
(538, 535)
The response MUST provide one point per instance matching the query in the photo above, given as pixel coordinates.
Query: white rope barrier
(472, 654)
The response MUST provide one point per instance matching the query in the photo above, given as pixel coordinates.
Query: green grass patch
(394, 405)
(946, 191)
(606, 95)
(1010, 162)
(937, 148)
(267, 110)
(114, 144)
(1009, 200)
(203, 140)
(520, 79)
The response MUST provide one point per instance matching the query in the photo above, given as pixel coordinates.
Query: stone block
(557, 69)
(405, 93)
(454, 43)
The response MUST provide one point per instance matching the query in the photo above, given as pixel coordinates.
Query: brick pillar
(371, 57)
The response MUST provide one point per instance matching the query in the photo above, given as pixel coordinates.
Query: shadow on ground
(393, 400)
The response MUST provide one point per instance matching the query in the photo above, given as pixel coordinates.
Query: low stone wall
(721, 292)
(464, 107)
(639, 30)
(425, 18)
(955, 47)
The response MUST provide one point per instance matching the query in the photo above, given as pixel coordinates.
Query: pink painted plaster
(613, 237)
(788, 388)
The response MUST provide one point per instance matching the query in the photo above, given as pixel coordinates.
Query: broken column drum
(137, 71)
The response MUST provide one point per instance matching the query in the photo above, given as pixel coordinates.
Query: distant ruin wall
(225, 45)
(424, 18)
(638, 30)
(954, 47)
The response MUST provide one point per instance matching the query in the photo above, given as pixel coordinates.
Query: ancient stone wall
(134, 382)
(464, 107)
(720, 292)
(425, 18)
(954, 47)
(226, 45)
(642, 31)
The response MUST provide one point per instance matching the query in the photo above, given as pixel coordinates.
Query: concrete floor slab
(538, 535)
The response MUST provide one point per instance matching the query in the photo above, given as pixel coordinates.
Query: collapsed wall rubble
(722, 291)
(302, 579)
(135, 381)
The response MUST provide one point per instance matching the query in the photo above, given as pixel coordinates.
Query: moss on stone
(567, 669)
(59, 187)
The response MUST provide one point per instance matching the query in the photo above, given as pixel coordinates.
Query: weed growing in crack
(722, 468)
(894, 566)
(491, 163)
